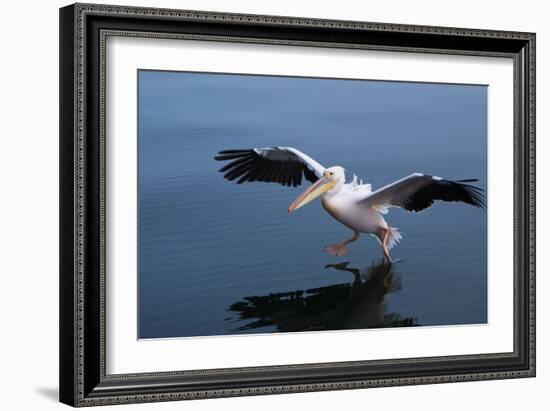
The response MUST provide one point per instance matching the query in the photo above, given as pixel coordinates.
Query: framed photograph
(262, 204)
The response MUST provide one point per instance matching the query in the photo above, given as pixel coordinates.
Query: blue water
(216, 258)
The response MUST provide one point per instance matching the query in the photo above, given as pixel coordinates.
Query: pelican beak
(318, 188)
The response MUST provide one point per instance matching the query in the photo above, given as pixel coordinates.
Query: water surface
(216, 258)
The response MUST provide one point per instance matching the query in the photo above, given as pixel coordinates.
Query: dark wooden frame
(83, 29)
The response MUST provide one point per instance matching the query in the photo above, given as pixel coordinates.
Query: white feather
(359, 186)
(381, 208)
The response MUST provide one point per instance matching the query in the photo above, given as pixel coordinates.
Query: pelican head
(332, 181)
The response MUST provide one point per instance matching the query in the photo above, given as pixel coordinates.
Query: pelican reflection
(358, 304)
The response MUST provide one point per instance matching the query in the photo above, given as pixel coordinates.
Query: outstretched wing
(283, 165)
(418, 192)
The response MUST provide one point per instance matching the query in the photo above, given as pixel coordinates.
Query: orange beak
(318, 188)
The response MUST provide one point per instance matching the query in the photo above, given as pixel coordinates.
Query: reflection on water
(357, 304)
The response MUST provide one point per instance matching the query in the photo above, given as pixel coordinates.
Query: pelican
(353, 204)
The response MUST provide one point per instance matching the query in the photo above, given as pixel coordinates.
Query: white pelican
(353, 204)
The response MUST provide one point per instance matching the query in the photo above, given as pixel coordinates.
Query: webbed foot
(337, 250)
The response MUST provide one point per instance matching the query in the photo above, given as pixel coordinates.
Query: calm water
(219, 258)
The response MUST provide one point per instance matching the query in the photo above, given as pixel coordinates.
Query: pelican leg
(340, 249)
(385, 245)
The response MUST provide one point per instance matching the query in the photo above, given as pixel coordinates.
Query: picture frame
(84, 83)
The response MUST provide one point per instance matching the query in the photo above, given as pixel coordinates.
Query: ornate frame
(83, 31)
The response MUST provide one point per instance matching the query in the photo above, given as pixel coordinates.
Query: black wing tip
(232, 154)
(474, 195)
(238, 163)
(249, 165)
(446, 190)
(234, 151)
